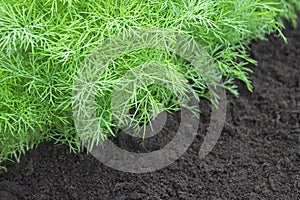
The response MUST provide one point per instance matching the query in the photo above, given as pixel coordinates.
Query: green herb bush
(43, 43)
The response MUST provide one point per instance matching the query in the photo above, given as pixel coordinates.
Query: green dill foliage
(43, 44)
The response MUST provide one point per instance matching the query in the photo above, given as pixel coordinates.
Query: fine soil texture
(256, 157)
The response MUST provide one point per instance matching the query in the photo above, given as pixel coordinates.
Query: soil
(256, 157)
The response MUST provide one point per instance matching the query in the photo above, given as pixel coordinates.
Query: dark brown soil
(257, 156)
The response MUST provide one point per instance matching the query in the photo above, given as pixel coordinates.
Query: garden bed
(256, 157)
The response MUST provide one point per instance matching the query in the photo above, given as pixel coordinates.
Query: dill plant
(43, 43)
